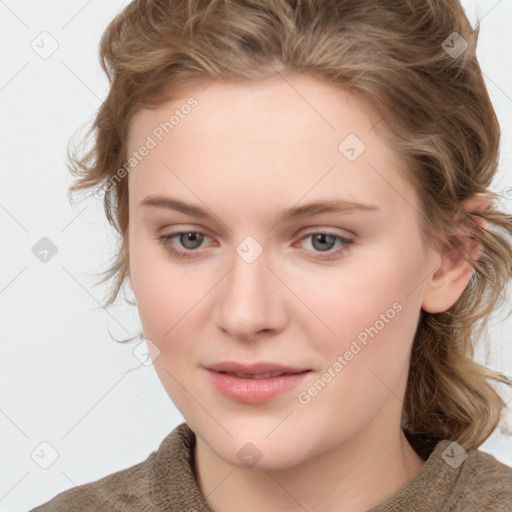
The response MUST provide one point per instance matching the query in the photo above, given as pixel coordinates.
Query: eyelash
(188, 254)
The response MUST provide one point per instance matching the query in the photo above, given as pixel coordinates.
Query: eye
(325, 242)
(190, 240)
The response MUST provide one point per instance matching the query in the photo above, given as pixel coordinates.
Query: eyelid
(310, 230)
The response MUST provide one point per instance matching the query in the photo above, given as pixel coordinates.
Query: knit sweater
(166, 481)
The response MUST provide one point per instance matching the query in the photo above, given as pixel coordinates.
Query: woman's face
(304, 259)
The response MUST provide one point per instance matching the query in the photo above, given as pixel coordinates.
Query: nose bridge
(248, 302)
(249, 275)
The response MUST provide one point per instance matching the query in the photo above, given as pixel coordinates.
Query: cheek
(163, 291)
(366, 360)
(166, 299)
(367, 304)
(359, 293)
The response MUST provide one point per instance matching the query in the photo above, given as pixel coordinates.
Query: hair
(392, 53)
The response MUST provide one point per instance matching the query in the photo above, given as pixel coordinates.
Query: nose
(250, 300)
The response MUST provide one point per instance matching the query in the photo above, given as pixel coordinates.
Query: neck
(359, 473)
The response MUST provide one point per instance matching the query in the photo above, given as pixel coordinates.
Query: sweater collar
(432, 486)
(174, 485)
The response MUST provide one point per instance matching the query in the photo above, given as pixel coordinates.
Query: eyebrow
(296, 212)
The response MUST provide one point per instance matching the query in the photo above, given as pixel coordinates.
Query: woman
(302, 192)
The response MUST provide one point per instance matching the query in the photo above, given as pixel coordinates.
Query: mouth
(250, 369)
(267, 375)
(255, 383)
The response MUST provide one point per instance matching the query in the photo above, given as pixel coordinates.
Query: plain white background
(64, 382)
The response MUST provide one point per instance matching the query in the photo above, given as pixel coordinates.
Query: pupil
(191, 237)
(322, 238)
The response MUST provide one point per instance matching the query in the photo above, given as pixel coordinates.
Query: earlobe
(452, 271)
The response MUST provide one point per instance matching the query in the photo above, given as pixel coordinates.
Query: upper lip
(253, 368)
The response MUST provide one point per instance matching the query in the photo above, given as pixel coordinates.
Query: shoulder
(163, 479)
(134, 489)
(484, 482)
(124, 490)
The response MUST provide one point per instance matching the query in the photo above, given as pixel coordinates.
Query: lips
(255, 370)
(255, 375)
(254, 383)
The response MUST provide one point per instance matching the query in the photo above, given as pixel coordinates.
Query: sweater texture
(165, 481)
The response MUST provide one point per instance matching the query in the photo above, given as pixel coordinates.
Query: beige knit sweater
(165, 481)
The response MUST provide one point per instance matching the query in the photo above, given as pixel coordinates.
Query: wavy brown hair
(393, 53)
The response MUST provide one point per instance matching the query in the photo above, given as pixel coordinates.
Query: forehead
(284, 137)
(294, 102)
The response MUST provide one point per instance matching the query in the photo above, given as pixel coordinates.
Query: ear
(446, 284)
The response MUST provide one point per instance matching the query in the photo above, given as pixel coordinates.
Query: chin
(256, 443)
(263, 455)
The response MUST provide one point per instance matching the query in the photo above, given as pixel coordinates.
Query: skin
(245, 153)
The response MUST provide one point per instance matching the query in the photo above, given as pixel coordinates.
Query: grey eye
(191, 240)
(323, 241)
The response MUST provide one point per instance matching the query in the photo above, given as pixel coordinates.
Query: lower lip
(255, 391)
